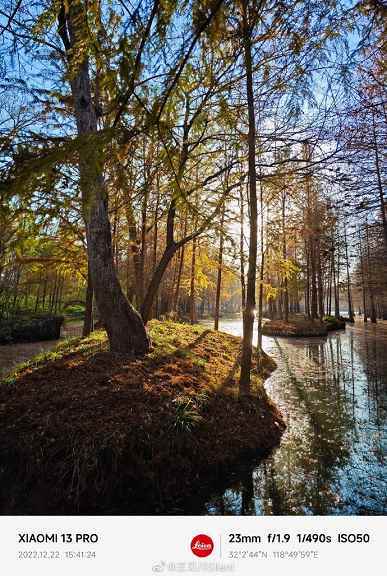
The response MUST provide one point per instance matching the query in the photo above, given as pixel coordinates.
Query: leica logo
(202, 545)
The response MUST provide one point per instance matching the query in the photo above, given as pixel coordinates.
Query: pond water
(332, 392)
(13, 354)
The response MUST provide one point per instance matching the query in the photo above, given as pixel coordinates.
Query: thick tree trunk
(248, 314)
(124, 326)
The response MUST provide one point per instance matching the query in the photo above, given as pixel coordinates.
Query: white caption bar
(183, 545)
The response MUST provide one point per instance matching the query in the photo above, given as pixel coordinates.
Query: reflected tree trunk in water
(363, 282)
(370, 280)
(349, 296)
(247, 493)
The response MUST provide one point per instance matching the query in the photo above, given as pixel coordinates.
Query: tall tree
(249, 310)
(123, 323)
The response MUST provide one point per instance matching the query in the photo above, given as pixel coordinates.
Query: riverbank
(85, 431)
(13, 354)
(301, 327)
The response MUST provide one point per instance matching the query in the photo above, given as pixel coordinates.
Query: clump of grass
(187, 415)
(183, 353)
(200, 362)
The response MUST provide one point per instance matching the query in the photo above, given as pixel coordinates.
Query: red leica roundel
(202, 545)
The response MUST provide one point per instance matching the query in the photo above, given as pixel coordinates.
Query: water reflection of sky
(332, 392)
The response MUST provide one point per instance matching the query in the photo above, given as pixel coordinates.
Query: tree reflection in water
(332, 393)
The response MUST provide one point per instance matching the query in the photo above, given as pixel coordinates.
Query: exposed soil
(86, 431)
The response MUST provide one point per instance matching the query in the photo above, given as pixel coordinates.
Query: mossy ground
(87, 431)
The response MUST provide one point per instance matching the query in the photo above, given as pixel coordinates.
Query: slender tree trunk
(320, 283)
(284, 256)
(241, 248)
(53, 291)
(336, 276)
(248, 315)
(219, 274)
(379, 180)
(192, 298)
(307, 282)
(370, 281)
(349, 296)
(180, 271)
(335, 297)
(124, 326)
(38, 295)
(156, 279)
(261, 274)
(135, 249)
(115, 232)
(313, 263)
(329, 305)
(144, 215)
(44, 292)
(155, 239)
(58, 299)
(88, 320)
(363, 279)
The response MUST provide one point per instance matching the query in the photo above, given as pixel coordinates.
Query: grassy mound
(87, 431)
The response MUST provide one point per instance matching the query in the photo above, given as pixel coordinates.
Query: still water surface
(332, 392)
